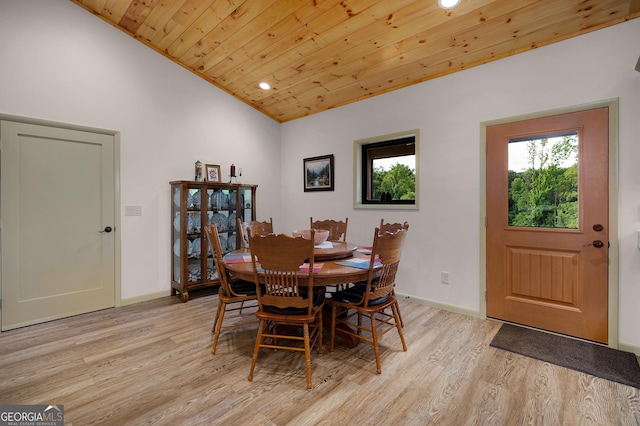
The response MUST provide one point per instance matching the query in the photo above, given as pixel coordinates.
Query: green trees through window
(399, 182)
(543, 182)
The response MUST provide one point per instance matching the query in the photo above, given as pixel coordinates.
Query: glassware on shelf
(196, 247)
(221, 221)
(214, 200)
(195, 200)
(231, 222)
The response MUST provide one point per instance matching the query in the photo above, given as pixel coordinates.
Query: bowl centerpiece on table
(320, 235)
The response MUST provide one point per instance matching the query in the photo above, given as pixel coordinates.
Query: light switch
(133, 210)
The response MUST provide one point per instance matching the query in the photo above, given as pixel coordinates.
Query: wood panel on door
(551, 278)
(58, 198)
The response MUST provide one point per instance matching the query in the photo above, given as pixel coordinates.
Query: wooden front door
(57, 200)
(547, 261)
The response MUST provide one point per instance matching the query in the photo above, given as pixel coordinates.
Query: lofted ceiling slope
(320, 54)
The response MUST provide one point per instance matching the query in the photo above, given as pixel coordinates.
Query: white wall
(60, 63)
(444, 234)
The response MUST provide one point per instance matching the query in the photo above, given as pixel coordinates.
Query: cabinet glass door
(245, 210)
(221, 211)
(194, 234)
(175, 233)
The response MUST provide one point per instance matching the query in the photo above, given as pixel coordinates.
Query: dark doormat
(599, 361)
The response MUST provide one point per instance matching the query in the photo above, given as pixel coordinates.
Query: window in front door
(543, 181)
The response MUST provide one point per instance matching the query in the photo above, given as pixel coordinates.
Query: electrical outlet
(444, 277)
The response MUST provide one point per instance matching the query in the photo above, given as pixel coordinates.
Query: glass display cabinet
(193, 206)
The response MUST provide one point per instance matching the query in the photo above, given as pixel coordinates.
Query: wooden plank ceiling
(320, 54)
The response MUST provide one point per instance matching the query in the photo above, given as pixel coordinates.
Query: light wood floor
(150, 363)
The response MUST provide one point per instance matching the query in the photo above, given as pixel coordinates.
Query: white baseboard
(439, 305)
(145, 297)
(629, 348)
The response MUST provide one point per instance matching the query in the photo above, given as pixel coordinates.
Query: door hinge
(485, 296)
(486, 221)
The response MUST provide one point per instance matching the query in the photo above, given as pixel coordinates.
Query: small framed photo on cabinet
(212, 172)
(318, 173)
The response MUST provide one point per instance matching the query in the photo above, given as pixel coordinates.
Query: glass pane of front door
(543, 181)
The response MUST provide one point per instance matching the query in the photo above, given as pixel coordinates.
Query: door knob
(598, 227)
(107, 229)
(595, 243)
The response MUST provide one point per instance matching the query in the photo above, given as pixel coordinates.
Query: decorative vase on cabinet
(193, 206)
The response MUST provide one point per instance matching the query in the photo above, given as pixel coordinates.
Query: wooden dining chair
(337, 232)
(393, 227)
(234, 295)
(257, 228)
(372, 298)
(390, 227)
(337, 229)
(286, 300)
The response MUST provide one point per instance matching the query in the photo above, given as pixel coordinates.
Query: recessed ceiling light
(448, 4)
(264, 85)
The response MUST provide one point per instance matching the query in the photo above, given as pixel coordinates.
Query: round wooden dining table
(330, 273)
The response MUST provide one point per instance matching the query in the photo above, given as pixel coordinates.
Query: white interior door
(57, 200)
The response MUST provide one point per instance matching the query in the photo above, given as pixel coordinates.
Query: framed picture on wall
(318, 173)
(212, 172)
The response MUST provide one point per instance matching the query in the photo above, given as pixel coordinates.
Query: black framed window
(389, 172)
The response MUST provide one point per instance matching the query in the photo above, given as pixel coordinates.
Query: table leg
(350, 341)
